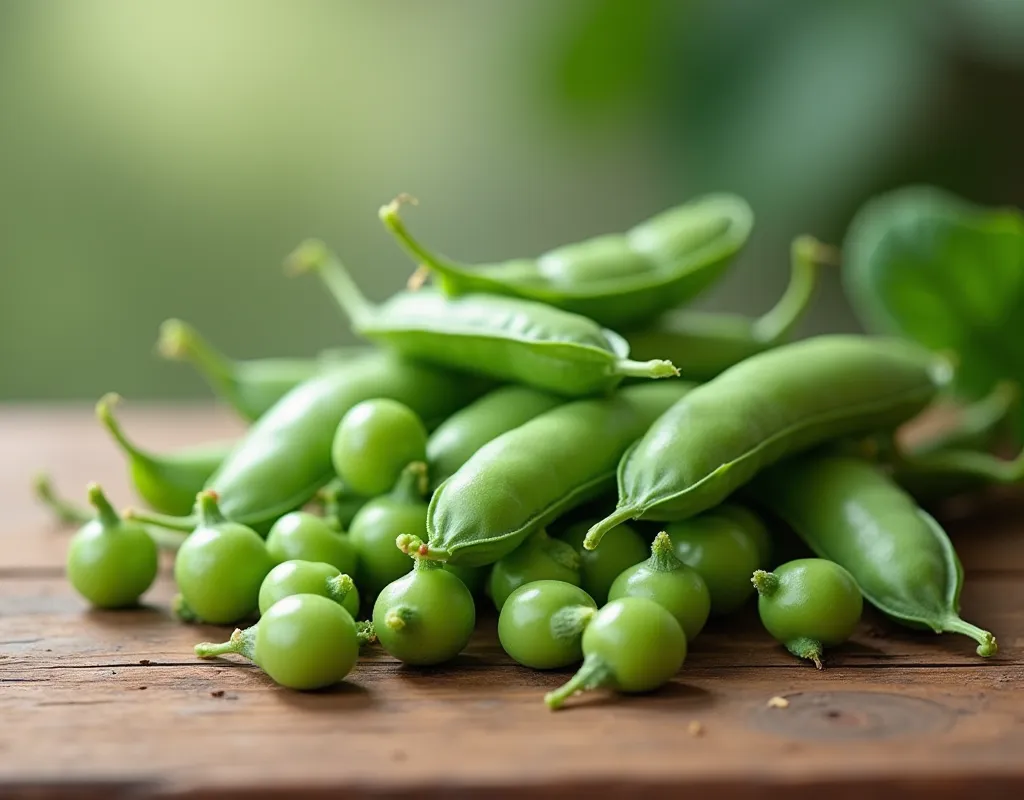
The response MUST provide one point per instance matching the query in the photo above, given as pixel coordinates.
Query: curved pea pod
(456, 439)
(505, 338)
(168, 482)
(849, 511)
(616, 279)
(517, 483)
(285, 457)
(251, 387)
(702, 345)
(772, 405)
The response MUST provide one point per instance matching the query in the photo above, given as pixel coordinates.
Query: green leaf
(929, 266)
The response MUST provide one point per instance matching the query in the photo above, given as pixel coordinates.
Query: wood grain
(113, 705)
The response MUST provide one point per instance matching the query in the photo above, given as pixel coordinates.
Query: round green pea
(538, 558)
(373, 532)
(374, 442)
(307, 577)
(621, 548)
(301, 536)
(541, 624)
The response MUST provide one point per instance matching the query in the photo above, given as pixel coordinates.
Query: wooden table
(114, 705)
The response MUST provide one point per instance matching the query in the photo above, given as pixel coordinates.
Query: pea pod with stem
(849, 511)
(704, 344)
(505, 338)
(616, 279)
(167, 482)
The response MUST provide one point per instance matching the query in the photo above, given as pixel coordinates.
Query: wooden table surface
(114, 705)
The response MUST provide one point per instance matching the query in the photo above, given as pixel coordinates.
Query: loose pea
(301, 536)
(375, 440)
(541, 624)
(667, 581)
(110, 562)
(309, 577)
(808, 605)
(599, 568)
(631, 645)
(538, 558)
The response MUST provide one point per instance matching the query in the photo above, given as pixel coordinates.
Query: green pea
(285, 457)
(381, 520)
(301, 536)
(168, 482)
(110, 562)
(458, 438)
(220, 567)
(505, 338)
(425, 617)
(808, 605)
(770, 406)
(375, 440)
(541, 624)
(538, 558)
(702, 344)
(670, 583)
(631, 645)
(850, 512)
(303, 642)
(615, 279)
(724, 551)
(599, 568)
(309, 577)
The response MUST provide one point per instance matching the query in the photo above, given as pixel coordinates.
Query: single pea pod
(251, 387)
(850, 512)
(285, 457)
(506, 338)
(616, 279)
(517, 483)
(466, 431)
(770, 406)
(703, 344)
(168, 482)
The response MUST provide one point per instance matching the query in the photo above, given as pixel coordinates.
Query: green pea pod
(850, 512)
(505, 338)
(702, 344)
(770, 406)
(466, 431)
(167, 482)
(285, 457)
(252, 386)
(517, 483)
(618, 280)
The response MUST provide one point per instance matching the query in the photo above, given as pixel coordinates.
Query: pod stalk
(241, 642)
(105, 512)
(314, 256)
(987, 645)
(617, 517)
(806, 255)
(105, 414)
(655, 368)
(179, 341)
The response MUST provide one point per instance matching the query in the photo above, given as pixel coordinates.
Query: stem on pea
(339, 587)
(183, 611)
(592, 674)
(569, 623)
(806, 648)
(399, 617)
(365, 632)
(65, 511)
(105, 512)
(663, 555)
(766, 583)
(617, 517)
(415, 547)
(655, 368)
(242, 642)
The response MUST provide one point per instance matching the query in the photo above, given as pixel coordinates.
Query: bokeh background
(160, 159)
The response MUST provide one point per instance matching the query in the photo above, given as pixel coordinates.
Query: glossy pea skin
(425, 617)
(538, 558)
(773, 405)
(724, 552)
(305, 577)
(535, 473)
(110, 562)
(374, 442)
(456, 439)
(616, 279)
(849, 511)
(525, 625)
(808, 604)
(301, 536)
(621, 549)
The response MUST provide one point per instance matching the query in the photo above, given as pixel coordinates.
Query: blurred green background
(160, 159)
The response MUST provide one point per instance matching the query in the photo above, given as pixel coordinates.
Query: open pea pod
(619, 279)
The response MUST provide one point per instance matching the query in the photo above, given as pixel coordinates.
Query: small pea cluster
(496, 442)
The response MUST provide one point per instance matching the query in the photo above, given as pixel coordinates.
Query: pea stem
(806, 254)
(806, 648)
(105, 414)
(399, 617)
(444, 267)
(365, 632)
(241, 642)
(592, 674)
(571, 621)
(766, 583)
(339, 587)
(105, 512)
(183, 524)
(314, 256)
(179, 341)
(599, 529)
(208, 508)
(414, 546)
(411, 485)
(65, 511)
(663, 555)
(987, 645)
(655, 368)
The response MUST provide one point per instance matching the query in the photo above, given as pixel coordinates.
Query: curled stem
(599, 529)
(987, 645)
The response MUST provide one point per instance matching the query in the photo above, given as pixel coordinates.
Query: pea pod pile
(496, 440)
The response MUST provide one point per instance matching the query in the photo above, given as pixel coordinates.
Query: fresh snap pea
(702, 345)
(457, 438)
(541, 624)
(301, 536)
(505, 338)
(285, 457)
(599, 568)
(808, 604)
(531, 475)
(850, 512)
(375, 441)
(539, 558)
(615, 279)
(772, 405)
(167, 482)
(309, 577)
